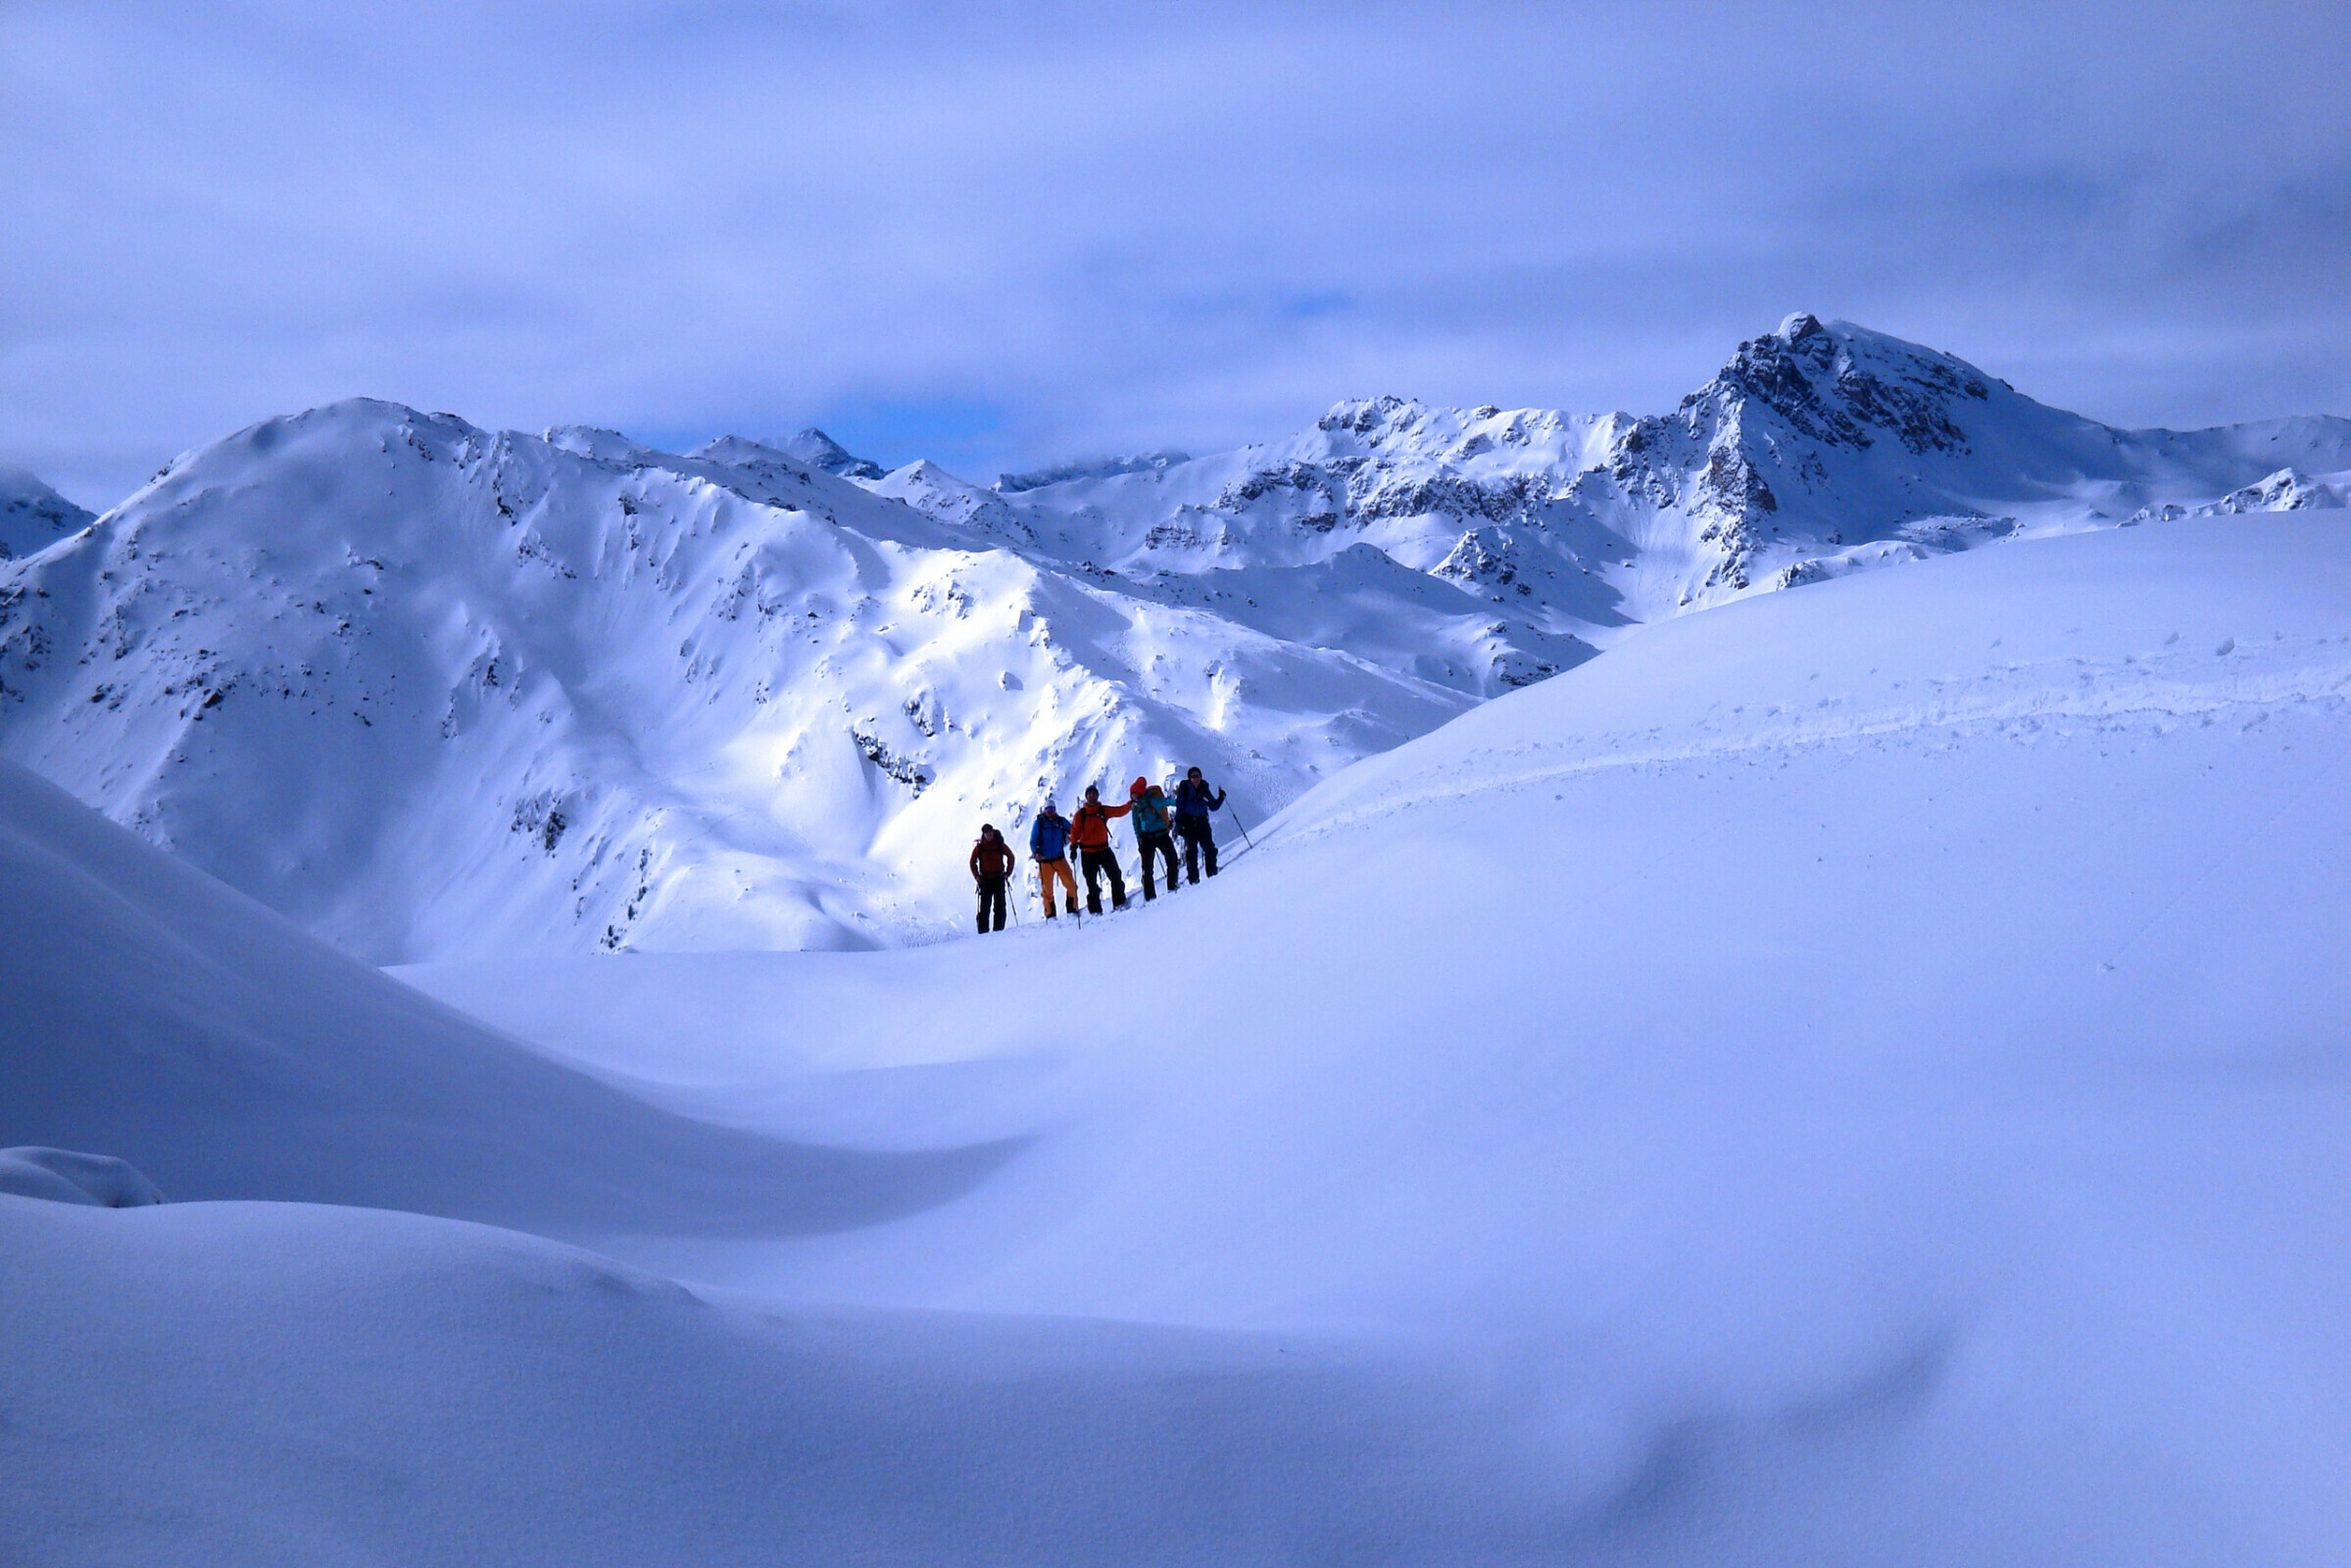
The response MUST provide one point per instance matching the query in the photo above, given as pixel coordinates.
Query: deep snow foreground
(1854, 1076)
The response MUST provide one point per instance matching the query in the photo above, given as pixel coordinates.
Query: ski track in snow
(2028, 708)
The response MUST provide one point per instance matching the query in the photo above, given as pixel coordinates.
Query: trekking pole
(1245, 838)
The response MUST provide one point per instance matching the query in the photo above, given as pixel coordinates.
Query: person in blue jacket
(1192, 804)
(1049, 847)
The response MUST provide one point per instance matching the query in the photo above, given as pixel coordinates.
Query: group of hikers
(1157, 821)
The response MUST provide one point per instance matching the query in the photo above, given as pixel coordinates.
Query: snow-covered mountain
(1817, 448)
(433, 689)
(34, 516)
(430, 690)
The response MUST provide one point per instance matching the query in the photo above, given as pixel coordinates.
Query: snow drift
(65, 1176)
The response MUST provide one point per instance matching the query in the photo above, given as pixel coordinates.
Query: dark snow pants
(1093, 862)
(991, 896)
(1199, 837)
(1155, 844)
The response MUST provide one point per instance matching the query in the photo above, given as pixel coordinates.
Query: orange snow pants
(1047, 872)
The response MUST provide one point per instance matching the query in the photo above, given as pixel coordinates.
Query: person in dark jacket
(1151, 821)
(1192, 804)
(992, 865)
(1090, 831)
(1049, 847)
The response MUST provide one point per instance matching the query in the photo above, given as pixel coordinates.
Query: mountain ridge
(432, 690)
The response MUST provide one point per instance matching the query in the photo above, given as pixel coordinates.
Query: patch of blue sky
(964, 435)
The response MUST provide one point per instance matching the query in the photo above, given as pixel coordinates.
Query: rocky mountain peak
(1841, 387)
(34, 516)
(594, 443)
(739, 452)
(817, 450)
(1371, 417)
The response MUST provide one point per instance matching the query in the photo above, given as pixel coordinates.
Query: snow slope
(310, 1385)
(155, 1014)
(1849, 1077)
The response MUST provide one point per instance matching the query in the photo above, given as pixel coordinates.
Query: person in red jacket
(1090, 831)
(992, 865)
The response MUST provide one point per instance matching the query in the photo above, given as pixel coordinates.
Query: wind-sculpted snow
(66, 1176)
(344, 1387)
(156, 1015)
(1854, 1076)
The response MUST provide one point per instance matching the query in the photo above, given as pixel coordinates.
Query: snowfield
(438, 693)
(1855, 1075)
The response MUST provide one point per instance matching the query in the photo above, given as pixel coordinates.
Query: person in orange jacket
(1090, 831)
(991, 863)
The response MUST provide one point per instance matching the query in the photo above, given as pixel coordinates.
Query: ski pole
(1245, 838)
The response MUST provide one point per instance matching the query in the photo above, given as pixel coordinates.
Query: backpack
(1150, 813)
(993, 857)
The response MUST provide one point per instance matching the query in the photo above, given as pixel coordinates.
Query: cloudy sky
(1005, 235)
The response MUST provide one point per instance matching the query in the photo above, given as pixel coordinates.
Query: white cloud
(1121, 229)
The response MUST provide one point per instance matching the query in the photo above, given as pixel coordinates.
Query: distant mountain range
(435, 691)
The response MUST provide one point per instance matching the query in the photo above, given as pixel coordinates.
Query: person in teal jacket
(1153, 817)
